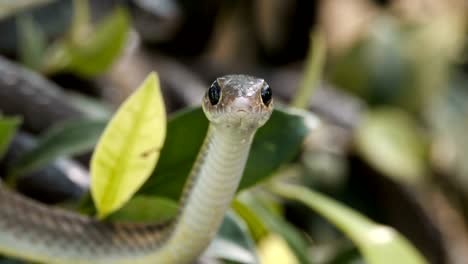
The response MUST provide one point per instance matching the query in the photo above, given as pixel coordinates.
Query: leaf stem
(313, 69)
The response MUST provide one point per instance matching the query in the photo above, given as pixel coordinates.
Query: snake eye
(266, 94)
(214, 93)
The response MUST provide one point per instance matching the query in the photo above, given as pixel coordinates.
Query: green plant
(86, 50)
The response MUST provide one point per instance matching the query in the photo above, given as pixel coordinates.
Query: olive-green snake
(236, 106)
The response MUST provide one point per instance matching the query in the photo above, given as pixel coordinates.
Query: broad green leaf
(275, 224)
(129, 148)
(64, 139)
(8, 126)
(146, 209)
(178, 154)
(233, 242)
(378, 244)
(95, 52)
(275, 144)
(390, 141)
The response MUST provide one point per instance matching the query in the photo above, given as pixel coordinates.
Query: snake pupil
(266, 95)
(214, 93)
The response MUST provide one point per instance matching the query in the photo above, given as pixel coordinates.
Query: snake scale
(236, 106)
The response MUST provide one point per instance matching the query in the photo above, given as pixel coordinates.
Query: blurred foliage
(447, 117)
(32, 42)
(8, 127)
(312, 71)
(86, 51)
(233, 242)
(379, 244)
(67, 139)
(90, 55)
(390, 141)
(266, 211)
(8, 8)
(405, 65)
(273, 249)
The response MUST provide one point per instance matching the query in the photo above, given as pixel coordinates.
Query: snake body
(236, 106)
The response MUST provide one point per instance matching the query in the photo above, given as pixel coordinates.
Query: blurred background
(388, 80)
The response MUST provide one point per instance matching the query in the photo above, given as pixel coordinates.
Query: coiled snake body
(236, 106)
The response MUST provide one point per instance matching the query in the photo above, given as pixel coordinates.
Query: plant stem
(312, 71)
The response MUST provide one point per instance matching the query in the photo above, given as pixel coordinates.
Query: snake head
(238, 103)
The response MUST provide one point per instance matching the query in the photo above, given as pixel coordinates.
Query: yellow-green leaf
(273, 249)
(379, 244)
(129, 148)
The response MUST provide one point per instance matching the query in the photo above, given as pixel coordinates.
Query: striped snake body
(236, 106)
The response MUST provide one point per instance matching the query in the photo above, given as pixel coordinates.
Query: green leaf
(390, 141)
(378, 244)
(91, 107)
(146, 209)
(32, 42)
(233, 242)
(8, 126)
(64, 139)
(178, 154)
(275, 144)
(94, 53)
(129, 148)
(256, 226)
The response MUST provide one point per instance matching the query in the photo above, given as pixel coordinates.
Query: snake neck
(207, 195)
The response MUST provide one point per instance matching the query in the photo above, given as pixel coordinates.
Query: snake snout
(241, 105)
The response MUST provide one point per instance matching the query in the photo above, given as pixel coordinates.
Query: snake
(236, 106)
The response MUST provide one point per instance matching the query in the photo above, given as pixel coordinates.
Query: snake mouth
(241, 114)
